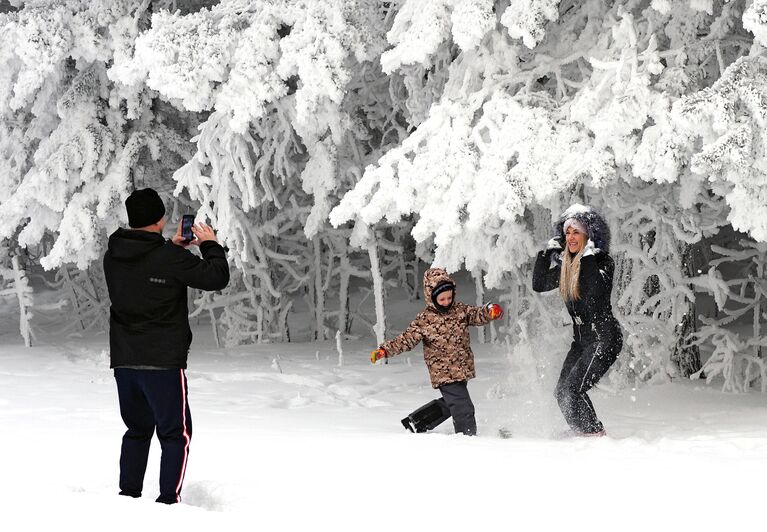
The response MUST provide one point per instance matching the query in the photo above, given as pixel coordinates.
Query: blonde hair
(569, 286)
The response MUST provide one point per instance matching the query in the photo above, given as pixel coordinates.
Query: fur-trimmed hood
(599, 232)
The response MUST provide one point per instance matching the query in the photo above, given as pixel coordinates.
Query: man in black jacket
(149, 336)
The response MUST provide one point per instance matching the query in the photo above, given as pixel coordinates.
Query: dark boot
(428, 417)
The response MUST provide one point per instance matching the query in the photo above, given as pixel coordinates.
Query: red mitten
(377, 354)
(494, 311)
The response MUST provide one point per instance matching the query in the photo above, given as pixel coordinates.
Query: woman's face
(575, 240)
(445, 298)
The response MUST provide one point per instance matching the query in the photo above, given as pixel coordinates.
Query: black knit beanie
(144, 207)
(444, 286)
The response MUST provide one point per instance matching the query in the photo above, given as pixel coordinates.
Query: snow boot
(427, 417)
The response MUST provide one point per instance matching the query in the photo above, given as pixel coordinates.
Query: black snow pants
(594, 349)
(458, 401)
(154, 399)
(455, 402)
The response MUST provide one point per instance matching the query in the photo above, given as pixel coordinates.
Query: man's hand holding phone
(188, 233)
(203, 233)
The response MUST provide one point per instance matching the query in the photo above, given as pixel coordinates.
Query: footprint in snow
(208, 495)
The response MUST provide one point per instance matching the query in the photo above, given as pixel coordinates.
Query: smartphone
(187, 221)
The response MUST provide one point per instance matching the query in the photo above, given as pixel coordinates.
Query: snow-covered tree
(297, 105)
(738, 350)
(464, 125)
(75, 153)
(596, 99)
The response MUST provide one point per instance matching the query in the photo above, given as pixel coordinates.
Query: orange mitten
(494, 311)
(377, 354)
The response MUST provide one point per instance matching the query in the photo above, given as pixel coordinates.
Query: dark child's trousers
(456, 396)
(154, 399)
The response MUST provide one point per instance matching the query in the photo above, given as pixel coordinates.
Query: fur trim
(599, 232)
(590, 249)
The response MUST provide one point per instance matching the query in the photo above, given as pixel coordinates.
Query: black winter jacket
(596, 284)
(147, 277)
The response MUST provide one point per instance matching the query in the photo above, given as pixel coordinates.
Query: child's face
(445, 298)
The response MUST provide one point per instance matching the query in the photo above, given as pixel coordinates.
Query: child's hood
(432, 278)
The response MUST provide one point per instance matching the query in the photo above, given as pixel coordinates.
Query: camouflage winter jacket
(445, 335)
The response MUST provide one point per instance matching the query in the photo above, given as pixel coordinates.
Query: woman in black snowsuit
(583, 272)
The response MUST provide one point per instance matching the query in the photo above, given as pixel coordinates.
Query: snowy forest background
(339, 147)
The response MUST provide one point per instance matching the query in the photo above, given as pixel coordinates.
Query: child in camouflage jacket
(443, 327)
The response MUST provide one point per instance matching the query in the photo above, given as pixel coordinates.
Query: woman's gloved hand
(555, 244)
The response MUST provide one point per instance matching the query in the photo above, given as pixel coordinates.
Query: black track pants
(154, 399)
(593, 351)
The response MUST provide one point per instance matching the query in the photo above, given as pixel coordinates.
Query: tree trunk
(761, 306)
(687, 358)
(23, 294)
(319, 295)
(343, 292)
(480, 296)
(375, 269)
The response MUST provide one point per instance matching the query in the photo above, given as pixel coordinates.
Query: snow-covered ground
(286, 439)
